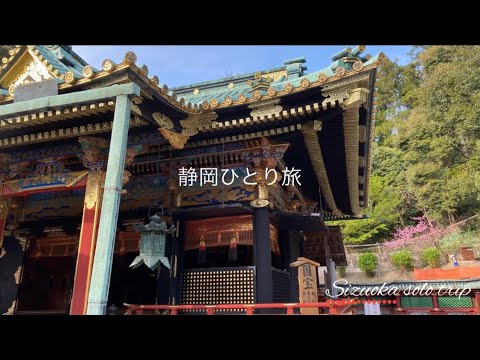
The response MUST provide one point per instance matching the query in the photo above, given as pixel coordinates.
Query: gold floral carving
(265, 108)
(131, 152)
(126, 177)
(288, 87)
(358, 66)
(276, 75)
(322, 78)
(4, 203)
(176, 140)
(134, 105)
(69, 78)
(257, 95)
(242, 98)
(107, 65)
(228, 100)
(94, 182)
(305, 83)
(88, 72)
(194, 123)
(271, 91)
(205, 105)
(33, 71)
(130, 58)
(163, 121)
(340, 71)
(213, 103)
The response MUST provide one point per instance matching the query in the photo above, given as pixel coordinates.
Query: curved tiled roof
(236, 90)
(60, 58)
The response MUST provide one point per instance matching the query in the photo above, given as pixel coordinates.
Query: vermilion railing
(334, 307)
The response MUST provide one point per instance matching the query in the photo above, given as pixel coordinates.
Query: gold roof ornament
(130, 58)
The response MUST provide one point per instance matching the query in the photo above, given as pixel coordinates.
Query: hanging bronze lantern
(152, 244)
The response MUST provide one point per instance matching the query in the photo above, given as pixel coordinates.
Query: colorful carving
(177, 140)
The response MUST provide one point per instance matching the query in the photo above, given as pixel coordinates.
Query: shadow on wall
(9, 263)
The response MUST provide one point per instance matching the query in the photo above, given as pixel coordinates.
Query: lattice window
(218, 286)
(416, 302)
(455, 302)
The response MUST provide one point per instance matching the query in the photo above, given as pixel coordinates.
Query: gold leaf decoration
(340, 71)
(107, 65)
(176, 140)
(358, 66)
(322, 78)
(88, 72)
(162, 120)
(69, 78)
(130, 58)
(288, 87)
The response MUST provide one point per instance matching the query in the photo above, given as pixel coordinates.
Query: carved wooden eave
(67, 132)
(271, 111)
(316, 158)
(176, 140)
(190, 127)
(51, 116)
(351, 105)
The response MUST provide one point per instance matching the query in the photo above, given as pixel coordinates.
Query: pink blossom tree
(422, 233)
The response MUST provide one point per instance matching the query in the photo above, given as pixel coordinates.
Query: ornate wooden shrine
(65, 179)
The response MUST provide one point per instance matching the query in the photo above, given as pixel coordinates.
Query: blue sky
(180, 65)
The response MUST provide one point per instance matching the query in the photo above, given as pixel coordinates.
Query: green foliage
(361, 231)
(368, 262)
(439, 137)
(431, 256)
(426, 151)
(402, 259)
(451, 242)
(341, 271)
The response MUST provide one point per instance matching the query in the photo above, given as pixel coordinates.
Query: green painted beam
(102, 264)
(57, 101)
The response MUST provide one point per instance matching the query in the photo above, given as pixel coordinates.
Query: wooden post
(307, 283)
(477, 302)
(399, 303)
(262, 256)
(436, 307)
(100, 283)
(86, 247)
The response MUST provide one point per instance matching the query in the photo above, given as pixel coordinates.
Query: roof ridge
(217, 82)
